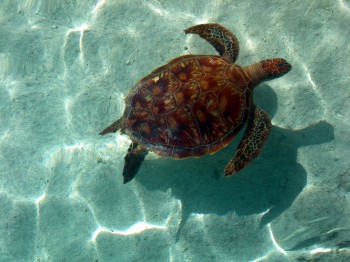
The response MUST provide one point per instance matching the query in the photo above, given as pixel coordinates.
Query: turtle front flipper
(133, 159)
(219, 37)
(255, 136)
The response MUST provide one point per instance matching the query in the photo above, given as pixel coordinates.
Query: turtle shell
(192, 106)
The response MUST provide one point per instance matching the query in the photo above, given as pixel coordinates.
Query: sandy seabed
(65, 67)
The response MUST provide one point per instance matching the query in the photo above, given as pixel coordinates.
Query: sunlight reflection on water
(88, 59)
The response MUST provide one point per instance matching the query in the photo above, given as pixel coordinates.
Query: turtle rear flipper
(255, 136)
(133, 159)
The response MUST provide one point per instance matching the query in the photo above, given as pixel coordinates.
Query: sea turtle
(196, 104)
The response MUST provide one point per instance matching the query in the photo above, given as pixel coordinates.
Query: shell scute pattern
(164, 105)
(161, 84)
(142, 99)
(188, 93)
(190, 107)
(153, 130)
(233, 112)
(186, 70)
(183, 129)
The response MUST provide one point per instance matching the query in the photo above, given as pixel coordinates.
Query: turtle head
(275, 67)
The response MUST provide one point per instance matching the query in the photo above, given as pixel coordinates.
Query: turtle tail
(113, 127)
(133, 159)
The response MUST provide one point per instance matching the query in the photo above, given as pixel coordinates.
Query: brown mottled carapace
(193, 106)
(196, 104)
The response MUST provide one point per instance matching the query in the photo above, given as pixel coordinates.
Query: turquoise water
(65, 67)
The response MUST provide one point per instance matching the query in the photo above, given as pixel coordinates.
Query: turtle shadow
(268, 186)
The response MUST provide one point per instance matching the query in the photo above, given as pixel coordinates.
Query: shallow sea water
(65, 67)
